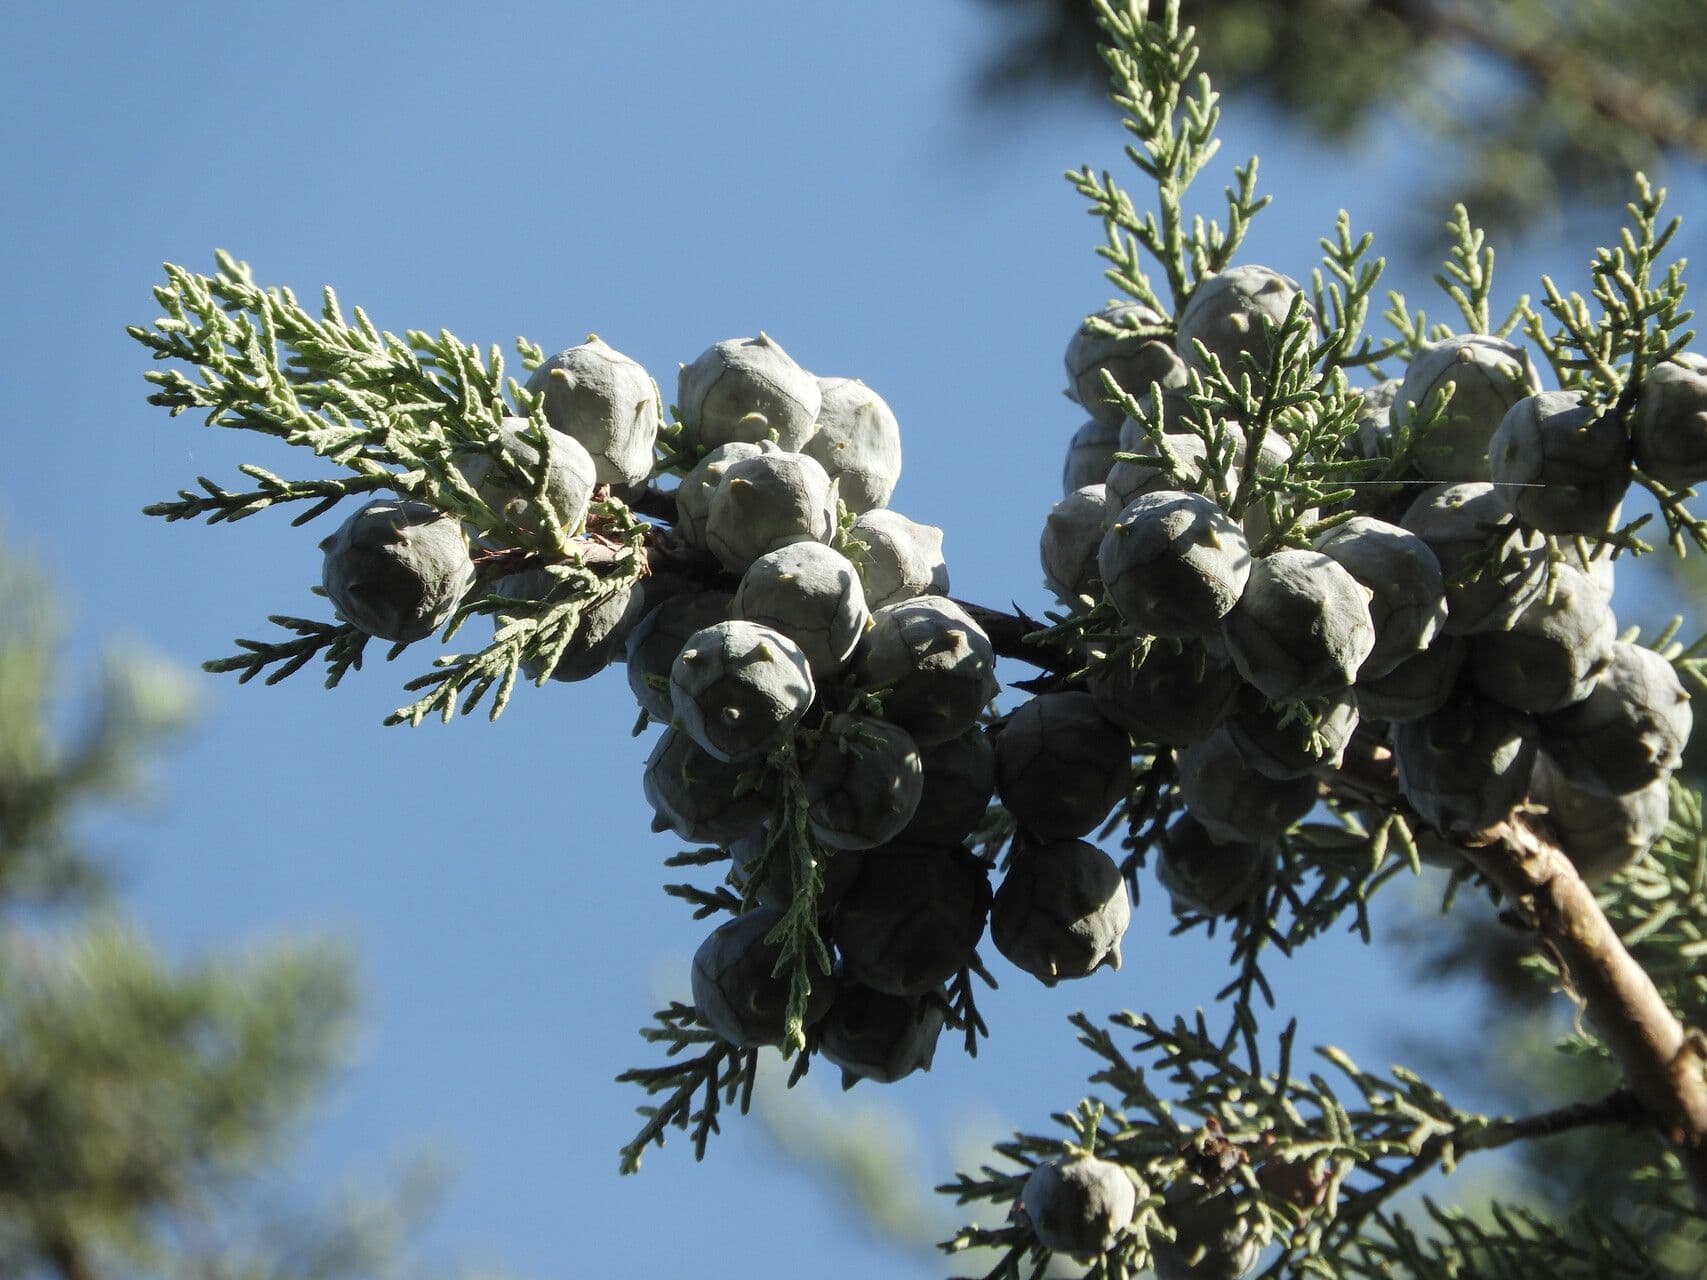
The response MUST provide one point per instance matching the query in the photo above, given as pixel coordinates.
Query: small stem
(678, 1108)
(664, 554)
(1620, 1107)
(1009, 636)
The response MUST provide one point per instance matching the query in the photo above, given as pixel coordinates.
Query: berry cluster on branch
(1318, 625)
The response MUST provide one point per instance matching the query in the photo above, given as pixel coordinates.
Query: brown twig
(1664, 1063)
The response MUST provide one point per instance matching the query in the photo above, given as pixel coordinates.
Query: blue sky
(667, 176)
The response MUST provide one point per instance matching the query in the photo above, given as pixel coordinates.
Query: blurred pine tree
(143, 1102)
(1578, 92)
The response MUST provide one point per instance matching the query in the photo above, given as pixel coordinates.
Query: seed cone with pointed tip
(1486, 377)
(1560, 464)
(1175, 693)
(1061, 765)
(1669, 428)
(897, 558)
(658, 638)
(1233, 802)
(863, 783)
(736, 990)
(693, 494)
(766, 502)
(1491, 566)
(1180, 470)
(912, 918)
(1274, 455)
(601, 629)
(858, 442)
(1466, 766)
(1631, 729)
(812, 594)
(1407, 595)
(1072, 533)
(1302, 627)
(738, 689)
(1290, 740)
(1600, 834)
(397, 570)
(932, 664)
(1417, 686)
(874, 1036)
(747, 389)
(1211, 1241)
(607, 402)
(1226, 314)
(1079, 1204)
(838, 870)
(702, 799)
(1174, 564)
(1554, 651)
(959, 781)
(1138, 358)
(499, 474)
(1090, 454)
(1061, 911)
(1374, 438)
(1206, 876)
(1387, 492)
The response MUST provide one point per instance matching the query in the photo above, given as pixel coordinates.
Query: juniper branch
(705, 902)
(392, 410)
(720, 1073)
(1150, 63)
(963, 1011)
(341, 644)
(1340, 290)
(801, 952)
(218, 504)
(1468, 276)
